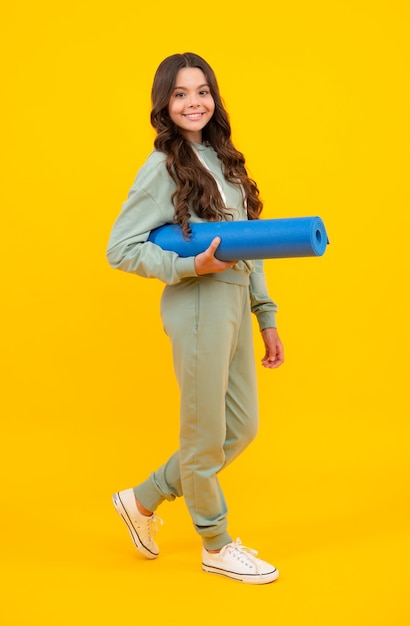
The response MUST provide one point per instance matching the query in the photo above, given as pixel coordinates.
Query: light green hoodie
(149, 205)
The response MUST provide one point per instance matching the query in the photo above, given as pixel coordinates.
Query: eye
(204, 92)
(179, 95)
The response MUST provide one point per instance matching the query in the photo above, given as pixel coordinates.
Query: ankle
(141, 508)
(213, 551)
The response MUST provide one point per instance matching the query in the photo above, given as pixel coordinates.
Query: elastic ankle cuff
(216, 543)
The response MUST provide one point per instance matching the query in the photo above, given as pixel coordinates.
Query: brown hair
(196, 187)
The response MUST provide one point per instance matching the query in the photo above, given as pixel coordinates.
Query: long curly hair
(196, 188)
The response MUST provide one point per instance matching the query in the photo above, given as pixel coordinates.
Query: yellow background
(318, 94)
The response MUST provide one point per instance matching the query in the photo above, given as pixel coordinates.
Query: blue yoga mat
(254, 239)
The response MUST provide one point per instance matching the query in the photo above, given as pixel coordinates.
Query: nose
(193, 101)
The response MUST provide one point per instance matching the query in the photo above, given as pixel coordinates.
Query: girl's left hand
(274, 354)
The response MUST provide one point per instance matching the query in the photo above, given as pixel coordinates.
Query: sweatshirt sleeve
(128, 249)
(261, 304)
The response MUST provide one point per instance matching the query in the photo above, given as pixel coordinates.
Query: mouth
(193, 116)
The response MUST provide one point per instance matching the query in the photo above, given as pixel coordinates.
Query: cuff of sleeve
(267, 319)
(185, 267)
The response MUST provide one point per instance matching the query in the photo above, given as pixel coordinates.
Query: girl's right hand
(207, 263)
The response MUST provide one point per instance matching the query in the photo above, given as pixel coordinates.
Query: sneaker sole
(252, 579)
(122, 512)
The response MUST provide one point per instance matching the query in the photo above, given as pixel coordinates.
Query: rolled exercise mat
(253, 239)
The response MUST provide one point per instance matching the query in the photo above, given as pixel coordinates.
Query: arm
(148, 206)
(265, 310)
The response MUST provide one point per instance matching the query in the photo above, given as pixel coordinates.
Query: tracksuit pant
(208, 321)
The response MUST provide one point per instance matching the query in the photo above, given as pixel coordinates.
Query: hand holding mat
(253, 239)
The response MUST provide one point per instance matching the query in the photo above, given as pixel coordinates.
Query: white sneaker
(141, 527)
(238, 562)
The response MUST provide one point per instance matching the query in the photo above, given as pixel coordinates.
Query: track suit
(208, 320)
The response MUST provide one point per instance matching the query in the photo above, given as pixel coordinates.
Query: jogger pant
(208, 321)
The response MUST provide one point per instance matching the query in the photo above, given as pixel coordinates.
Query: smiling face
(191, 105)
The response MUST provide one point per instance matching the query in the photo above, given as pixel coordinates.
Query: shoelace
(154, 521)
(237, 546)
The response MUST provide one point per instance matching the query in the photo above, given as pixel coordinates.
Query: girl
(195, 174)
